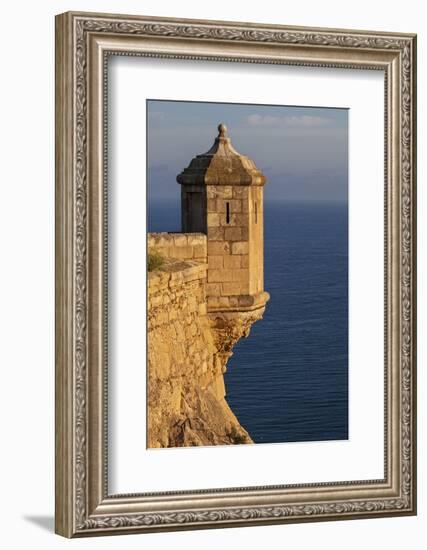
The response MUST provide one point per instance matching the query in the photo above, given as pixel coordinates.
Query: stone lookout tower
(222, 196)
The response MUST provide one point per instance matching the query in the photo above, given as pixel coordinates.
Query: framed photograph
(235, 274)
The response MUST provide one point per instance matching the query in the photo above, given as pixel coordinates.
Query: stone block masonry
(180, 246)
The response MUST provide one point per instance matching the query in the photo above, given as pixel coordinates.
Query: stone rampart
(186, 394)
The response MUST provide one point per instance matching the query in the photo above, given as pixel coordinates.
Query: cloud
(288, 121)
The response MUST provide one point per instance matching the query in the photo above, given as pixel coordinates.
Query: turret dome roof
(221, 165)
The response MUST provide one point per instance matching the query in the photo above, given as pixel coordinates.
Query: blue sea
(288, 381)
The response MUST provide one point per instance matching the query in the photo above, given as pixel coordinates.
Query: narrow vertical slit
(256, 212)
(187, 221)
(227, 215)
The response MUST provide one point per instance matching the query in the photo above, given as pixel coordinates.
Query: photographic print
(247, 295)
(235, 274)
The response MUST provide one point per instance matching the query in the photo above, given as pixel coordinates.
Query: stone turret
(222, 196)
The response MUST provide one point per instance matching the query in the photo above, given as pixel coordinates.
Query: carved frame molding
(83, 43)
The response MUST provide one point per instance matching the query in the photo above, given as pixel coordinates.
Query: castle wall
(186, 402)
(181, 246)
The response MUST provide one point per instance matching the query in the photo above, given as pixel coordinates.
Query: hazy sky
(302, 151)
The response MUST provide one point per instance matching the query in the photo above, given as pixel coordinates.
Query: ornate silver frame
(83, 505)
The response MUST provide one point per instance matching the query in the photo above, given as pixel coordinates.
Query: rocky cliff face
(188, 350)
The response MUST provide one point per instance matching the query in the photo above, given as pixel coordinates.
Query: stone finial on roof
(222, 129)
(222, 145)
(221, 165)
